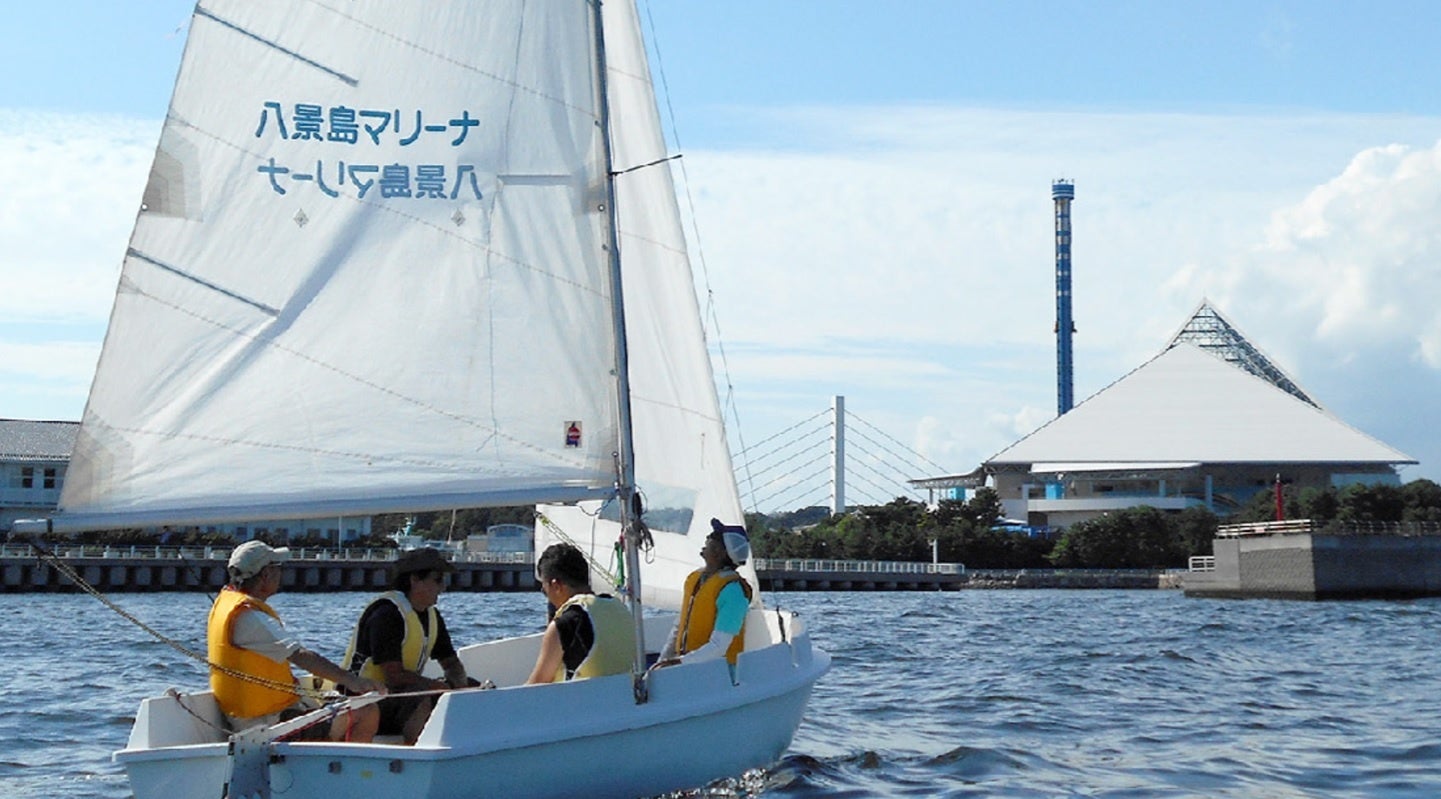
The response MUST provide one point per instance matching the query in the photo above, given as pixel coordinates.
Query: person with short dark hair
(716, 600)
(590, 635)
(401, 631)
(245, 636)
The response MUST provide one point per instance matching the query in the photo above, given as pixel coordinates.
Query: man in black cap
(398, 633)
(717, 598)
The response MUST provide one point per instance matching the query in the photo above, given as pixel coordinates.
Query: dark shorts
(315, 732)
(394, 710)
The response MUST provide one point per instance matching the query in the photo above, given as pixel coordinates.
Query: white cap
(737, 546)
(250, 557)
(737, 543)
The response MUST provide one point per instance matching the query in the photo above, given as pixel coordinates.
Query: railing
(1334, 527)
(1265, 528)
(856, 566)
(1202, 563)
(223, 553)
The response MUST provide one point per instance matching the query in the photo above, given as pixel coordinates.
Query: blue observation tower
(1063, 192)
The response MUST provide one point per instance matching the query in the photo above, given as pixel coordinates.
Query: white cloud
(926, 233)
(72, 189)
(903, 257)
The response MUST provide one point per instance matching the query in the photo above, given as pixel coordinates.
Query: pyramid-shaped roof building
(1188, 407)
(1210, 330)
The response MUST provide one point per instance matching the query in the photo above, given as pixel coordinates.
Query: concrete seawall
(124, 575)
(973, 579)
(1321, 566)
(119, 573)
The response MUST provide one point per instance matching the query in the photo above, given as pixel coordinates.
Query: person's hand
(361, 685)
(660, 664)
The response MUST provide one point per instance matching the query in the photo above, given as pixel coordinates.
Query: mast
(625, 456)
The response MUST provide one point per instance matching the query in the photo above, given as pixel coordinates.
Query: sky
(870, 188)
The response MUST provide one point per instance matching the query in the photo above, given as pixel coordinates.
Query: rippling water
(972, 693)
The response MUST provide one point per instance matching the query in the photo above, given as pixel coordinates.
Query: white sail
(356, 287)
(683, 465)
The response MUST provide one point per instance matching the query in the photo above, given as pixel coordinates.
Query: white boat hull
(525, 741)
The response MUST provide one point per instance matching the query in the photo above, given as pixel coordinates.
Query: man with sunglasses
(399, 633)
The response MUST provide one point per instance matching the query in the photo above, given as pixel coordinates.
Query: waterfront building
(34, 456)
(1208, 422)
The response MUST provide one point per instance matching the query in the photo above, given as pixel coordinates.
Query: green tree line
(1139, 537)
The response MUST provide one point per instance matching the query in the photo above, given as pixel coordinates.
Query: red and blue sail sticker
(572, 434)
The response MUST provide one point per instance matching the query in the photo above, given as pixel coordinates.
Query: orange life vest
(698, 612)
(238, 697)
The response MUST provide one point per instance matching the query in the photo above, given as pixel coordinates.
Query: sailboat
(396, 257)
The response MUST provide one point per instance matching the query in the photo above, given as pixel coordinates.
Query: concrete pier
(117, 572)
(1290, 560)
(23, 570)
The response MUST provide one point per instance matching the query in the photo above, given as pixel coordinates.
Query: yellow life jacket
(614, 630)
(414, 651)
(238, 697)
(698, 612)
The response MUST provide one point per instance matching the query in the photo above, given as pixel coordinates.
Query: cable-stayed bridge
(834, 458)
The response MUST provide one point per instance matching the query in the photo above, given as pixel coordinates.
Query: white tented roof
(1186, 405)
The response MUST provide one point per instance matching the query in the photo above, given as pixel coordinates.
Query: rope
(556, 531)
(66, 569)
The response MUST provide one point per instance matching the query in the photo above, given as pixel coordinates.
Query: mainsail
(683, 465)
(375, 288)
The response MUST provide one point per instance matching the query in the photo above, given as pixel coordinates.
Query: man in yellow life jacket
(589, 635)
(246, 637)
(399, 633)
(715, 603)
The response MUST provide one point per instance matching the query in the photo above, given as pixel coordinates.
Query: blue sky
(871, 183)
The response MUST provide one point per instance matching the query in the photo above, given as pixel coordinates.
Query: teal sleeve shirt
(731, 607)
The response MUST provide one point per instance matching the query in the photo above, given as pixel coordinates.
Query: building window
(27, 477)
(49, 478)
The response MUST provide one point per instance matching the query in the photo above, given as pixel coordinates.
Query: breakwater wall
(203, 569)
(974, 579)
(143, 569)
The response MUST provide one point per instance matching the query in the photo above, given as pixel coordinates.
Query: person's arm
(400, 680)
(548, 662)
(667, 655)
(445, 654)
(454, 672)
(324, 669)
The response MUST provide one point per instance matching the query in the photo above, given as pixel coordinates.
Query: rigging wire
(711, 311)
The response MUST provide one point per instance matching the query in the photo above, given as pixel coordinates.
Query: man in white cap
(246, 637)
(716, 600)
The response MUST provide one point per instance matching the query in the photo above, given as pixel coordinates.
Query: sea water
(970, 693)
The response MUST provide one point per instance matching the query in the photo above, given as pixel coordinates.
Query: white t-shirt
(263, 634)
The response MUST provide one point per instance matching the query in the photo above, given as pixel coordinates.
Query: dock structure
(149, 568)
(140, 569)
(1299, 559)
(851, 575)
